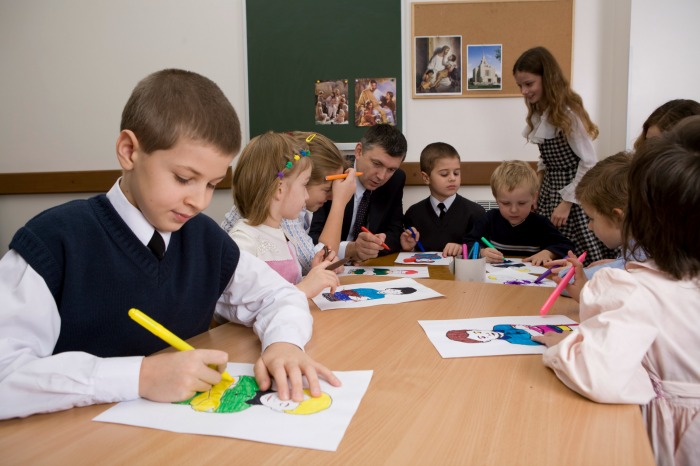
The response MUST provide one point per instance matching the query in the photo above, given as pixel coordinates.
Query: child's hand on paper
(177, 376)
(540, 258)
(287, 363)
(573, 288)
(452, 249)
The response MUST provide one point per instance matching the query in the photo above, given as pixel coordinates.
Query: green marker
(488, 243)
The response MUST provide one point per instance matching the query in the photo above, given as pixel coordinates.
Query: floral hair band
(289, 164)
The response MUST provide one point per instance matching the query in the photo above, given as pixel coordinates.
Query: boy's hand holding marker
(492, 255)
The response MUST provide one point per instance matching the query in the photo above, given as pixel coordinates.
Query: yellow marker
(166, 335)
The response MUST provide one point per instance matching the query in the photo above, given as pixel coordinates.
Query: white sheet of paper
(413, 272)
(320, 431)
(374, 294)
(423, 258)
(517, 272)
(436, 330)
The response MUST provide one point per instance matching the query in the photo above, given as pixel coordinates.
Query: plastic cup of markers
(470, 270)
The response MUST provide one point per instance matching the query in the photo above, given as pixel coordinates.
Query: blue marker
(420, 246)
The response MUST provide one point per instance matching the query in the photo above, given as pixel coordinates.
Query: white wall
(69, 66)
(663, 61)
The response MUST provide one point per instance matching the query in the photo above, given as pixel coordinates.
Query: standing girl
(564, 133)
(326, 160)
(639, 338)
(269, 185)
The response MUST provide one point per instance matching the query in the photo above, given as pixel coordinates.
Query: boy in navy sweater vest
(73, 272)
(514, 228)
(445, 217)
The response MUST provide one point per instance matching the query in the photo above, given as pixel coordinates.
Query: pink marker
(560, 287)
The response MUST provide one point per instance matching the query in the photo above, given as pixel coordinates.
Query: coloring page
(413, 272)
(374, 294)
(423, 258)
(237, 408)
(492, 336)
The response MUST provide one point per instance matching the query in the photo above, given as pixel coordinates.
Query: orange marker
(367, 231)
(341, 176)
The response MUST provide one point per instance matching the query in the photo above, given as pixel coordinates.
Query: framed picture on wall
(484, 67)
(438, 66)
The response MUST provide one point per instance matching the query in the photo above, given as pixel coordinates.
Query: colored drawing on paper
(413, 272)
(237, 408)
(426, 258)
(364, 294)
(372, 294)
(243, 392)
(497, 335)
(517, 273)
(515, 334)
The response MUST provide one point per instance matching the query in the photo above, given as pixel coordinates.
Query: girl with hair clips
(560, 126)
(326, 160)
(269, 185)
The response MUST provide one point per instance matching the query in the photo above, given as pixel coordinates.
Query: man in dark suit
(378, 156)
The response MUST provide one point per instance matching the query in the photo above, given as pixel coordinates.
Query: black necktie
(361, 217)
(157, 245)
(441, 206)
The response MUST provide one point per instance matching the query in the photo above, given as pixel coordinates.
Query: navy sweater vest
(96, 270)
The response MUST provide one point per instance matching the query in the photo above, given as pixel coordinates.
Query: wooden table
(419, 408)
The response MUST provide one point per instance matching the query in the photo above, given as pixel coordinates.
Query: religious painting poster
(438, 66)
(331, 105)
(239, 409)
(493, 336)
(484, 67)
(375, 101)
(357, 295)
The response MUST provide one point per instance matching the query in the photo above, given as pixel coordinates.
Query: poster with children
(237, 408)
(374, 294)
(413, 272)
(492, 336)
(423, 258)
(514, 271)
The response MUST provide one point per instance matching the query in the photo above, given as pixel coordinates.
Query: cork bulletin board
(510, 27)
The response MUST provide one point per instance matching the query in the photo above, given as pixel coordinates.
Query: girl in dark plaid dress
(560, 126)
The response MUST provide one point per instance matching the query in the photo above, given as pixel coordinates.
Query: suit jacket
(385, 213)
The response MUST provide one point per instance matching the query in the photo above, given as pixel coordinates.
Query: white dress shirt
(33, 380)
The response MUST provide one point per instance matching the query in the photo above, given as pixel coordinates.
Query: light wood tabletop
(419, 408)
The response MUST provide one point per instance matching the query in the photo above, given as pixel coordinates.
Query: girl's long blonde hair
(263, 164)
(557, 95)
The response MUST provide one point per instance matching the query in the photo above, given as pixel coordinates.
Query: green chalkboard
(293, 44)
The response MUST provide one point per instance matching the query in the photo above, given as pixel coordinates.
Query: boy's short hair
(434, 152)
(513, 174)
(172, 103)
(604, 187)
(388, 137)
